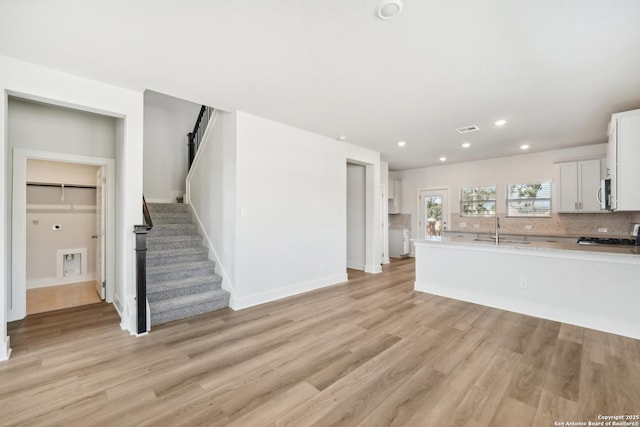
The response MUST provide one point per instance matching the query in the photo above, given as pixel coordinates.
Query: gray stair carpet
(181, 279)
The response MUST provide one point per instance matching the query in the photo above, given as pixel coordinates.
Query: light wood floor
(370, 353)
(52, 298)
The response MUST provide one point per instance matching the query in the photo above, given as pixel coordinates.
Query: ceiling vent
(468, 129)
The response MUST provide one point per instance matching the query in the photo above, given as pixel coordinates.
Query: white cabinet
(579, 186)
(623, 154)
(399, 242)
(395, 191)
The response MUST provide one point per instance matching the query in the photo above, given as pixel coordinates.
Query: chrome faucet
(497, 229)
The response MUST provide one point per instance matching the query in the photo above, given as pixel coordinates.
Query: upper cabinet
(623, 154)
(394, 191)
(580, 186)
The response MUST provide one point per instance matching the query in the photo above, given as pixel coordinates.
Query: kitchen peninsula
(596, 287)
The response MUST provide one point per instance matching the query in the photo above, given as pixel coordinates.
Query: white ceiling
(555, 70)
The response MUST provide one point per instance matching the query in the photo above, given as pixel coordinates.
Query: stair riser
(179, 292)
(168, 208)
(181, 230)
(183, 313)
(175, 259)
(176, 244)
(180, 274)
(182, 219)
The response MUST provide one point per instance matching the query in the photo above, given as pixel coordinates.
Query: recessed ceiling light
(389, 9)
(466, 144)
(500, 122)
(443, 159)
(524, 147)
(402, 143)
(342, 138)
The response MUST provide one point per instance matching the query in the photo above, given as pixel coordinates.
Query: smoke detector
(389, 9)
(468, 129)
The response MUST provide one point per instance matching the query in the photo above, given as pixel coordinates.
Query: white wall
(356, 217)
(46, 127)
(277, 219)
(167, 120)
(60, 172)
(500, 171)
(76, 215)
(46, 85)
(291, 200)
(211, 190)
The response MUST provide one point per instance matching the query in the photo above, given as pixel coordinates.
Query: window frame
(480, 201)
(509, 200)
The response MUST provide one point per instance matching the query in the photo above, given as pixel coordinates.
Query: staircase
(181, 280)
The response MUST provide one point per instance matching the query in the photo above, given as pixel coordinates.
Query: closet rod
(46, 184)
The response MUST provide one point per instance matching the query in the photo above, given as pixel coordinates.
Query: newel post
(141, 277)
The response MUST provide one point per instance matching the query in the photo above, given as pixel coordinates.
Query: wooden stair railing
(195, 137)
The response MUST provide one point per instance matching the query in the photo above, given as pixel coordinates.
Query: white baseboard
(376, 268)
(5, 349)
(286, 291)
(57, 281)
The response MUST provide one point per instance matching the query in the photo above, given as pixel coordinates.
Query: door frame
(420, 235)
(17, 301)
(362, 245)
(373, 230)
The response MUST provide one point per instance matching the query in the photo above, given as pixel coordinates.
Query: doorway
(356, 216)
(433, 215)
(64, 235)
(53, 228)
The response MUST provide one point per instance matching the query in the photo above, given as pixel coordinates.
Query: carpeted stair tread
(177, 288)
(173, 242)
(211, 279)
(184, 301)
(172, 256)
(173, 229)
(191, 265)
(172, 218)
(187, 306)
(167, 207)
(167, 253)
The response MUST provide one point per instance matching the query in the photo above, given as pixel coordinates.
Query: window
(478, 201)
(529, 199)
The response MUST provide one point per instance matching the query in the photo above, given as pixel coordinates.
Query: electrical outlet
(463, 225)
(528, 227)
(602, 230)
(524, 284)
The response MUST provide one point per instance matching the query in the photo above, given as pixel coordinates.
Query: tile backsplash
(615, 223)
(399, 221)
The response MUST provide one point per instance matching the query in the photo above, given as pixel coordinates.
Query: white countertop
(484, 243)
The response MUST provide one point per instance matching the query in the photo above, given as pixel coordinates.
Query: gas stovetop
(606, 241)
